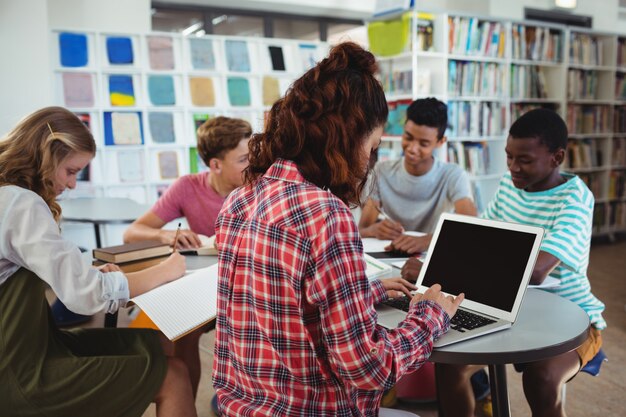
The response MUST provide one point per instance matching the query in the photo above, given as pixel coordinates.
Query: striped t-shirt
(565, 212)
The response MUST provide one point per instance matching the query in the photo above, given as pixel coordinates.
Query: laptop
(490, 261)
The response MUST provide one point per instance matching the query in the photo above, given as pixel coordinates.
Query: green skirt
(49, 372)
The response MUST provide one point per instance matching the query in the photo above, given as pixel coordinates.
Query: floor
(586, 395)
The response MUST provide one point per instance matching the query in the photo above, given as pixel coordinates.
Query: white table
(101, 210)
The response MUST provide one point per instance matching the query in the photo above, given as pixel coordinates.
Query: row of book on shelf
(471, 156)
(588, 119)
(582, 84)
(528, 82)
(473, 118)
(536, 43)
(401, 81)
(471, 36)
(611, 215)
(476, 79)
(621, 52)
(616, 183)
(586, 49)
(590, 153)
(619, 119)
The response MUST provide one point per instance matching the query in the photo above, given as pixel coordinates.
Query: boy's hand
(186, 239)
(387, 230)
(410, 244)
(411, 269)
(449, 303)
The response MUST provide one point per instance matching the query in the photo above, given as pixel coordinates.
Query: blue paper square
(162, 127)
(119, 50)
(73, 49)
(161, 90)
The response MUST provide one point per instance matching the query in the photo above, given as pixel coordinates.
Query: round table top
(547, 325)
(102, 210)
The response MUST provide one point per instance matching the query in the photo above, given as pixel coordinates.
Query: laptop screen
(486, 263)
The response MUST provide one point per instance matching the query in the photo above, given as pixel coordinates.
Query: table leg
(438, 389)
(499, 391)
(96, 228)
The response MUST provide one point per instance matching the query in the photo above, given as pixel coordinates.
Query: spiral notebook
(183, 305)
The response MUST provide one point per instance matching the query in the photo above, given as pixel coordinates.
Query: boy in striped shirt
(535, 192)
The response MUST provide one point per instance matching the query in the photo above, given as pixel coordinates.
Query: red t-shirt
(192, 198)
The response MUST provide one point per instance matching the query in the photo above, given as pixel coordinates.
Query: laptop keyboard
(462, 320)
(401, 303)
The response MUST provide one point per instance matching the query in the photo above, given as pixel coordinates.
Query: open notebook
(183, 305)
(207, 248)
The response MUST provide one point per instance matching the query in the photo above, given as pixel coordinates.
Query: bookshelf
(490, 71)
(144, 95)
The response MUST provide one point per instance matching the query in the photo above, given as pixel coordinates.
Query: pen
(384, 215)
(176, 236)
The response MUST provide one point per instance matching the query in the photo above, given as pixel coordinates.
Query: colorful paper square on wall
(239, 91)
(123, 128)
(196, 164)
(308, 55)
(202, 56)
(277, 58)
(161, 52)
(202, 92)
(198, 120)
(130, 166)
(168, 165)
(121, 91)
(237, 56)
(78, 89)
(119, 50)
(271, 90)
(73, 49)
(161, 90)
(162, 127)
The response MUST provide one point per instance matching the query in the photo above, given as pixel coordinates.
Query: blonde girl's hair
(31, 153)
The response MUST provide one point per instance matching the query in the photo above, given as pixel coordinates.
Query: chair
(418, 386)
(592, 368)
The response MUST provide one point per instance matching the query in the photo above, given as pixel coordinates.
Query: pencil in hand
(176, 236)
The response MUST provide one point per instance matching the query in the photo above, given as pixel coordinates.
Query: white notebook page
(182, 305)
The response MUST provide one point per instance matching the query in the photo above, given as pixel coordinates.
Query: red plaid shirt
(296, 325)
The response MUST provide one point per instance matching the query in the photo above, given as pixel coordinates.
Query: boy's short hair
(429, 112)
(219, 135)
(543, 124)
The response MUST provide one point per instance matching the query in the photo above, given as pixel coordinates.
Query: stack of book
(132, 257)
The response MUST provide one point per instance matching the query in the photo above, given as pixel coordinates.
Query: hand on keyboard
(449, 303)
(397, 287)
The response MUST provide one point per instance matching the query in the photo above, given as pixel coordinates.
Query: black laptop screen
(486, 263)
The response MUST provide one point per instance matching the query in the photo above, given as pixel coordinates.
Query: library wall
(25, 72)
(100, 15)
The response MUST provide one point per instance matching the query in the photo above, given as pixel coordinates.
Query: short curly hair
(429, 112)
(219, 135)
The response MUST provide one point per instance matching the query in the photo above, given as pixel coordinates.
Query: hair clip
(51, 132)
